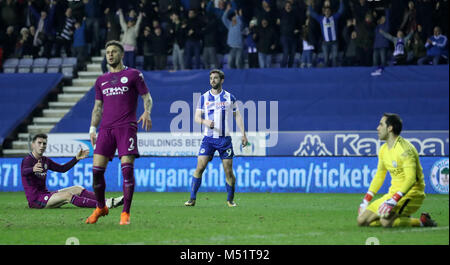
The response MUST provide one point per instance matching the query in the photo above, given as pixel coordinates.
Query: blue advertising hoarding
(253, 174)
(357, 143)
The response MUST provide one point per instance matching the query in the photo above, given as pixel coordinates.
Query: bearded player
(214, 109)
(116, 101)
(406, 193)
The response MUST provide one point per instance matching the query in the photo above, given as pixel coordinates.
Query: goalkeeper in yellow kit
(406, 194)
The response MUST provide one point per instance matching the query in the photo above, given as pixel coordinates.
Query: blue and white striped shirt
(218, 108)
(328, 25)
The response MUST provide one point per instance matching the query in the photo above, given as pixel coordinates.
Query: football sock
(83, 202)
(98, 175)
(87, 194)
(375, 223)
(196, 182)
(128, 185)
(406, 222)
(230, 191)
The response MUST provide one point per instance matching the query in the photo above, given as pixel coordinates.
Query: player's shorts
(407, 205)
(124, 139)
(222, 144)
(41, 200)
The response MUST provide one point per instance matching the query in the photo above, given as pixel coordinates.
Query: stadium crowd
(254, 33)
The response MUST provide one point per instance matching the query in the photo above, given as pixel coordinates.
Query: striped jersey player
(215, 110)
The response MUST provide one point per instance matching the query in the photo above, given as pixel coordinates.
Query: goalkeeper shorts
(407, 205)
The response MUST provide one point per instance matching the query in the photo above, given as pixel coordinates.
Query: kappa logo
(439, 176)
(312, 146)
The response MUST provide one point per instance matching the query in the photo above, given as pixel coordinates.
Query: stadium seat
(39, 65)
(25, 65)
(10, 65)
(69, 62)
(54, 65)
(67, 71)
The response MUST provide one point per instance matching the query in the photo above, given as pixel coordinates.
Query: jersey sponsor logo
(312, 146)
(439, 176)
(115, 91)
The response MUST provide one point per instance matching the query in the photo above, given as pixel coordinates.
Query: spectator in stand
(112, 30)
(193, 44)
(440, 16)
(210, 42)
(178, 39)
(329, 26)
(64, 38)
(130, 34)
(222, 47)
(399, 55)
(147, 49)
(436, 48)
(250, 44)
(9, 42)
(415, 49)
(289, 22)
(381, 44)
(360, 9)
(308, 47)
(266, 11)
(424, 15)
(233, 22)
(79, 44)
(35, 47)
(365, 37)
(45, 33)
(409, 22)
(353, 51)
(24, 45)
(93, 19)
(159, 48)
(266, 40)
(166, 9)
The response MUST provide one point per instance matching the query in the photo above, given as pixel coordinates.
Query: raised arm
(122, 22)
(52, 165)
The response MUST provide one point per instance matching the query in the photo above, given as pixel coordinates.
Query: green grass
(260, 218)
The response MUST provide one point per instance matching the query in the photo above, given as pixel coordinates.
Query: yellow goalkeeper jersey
(402, 162)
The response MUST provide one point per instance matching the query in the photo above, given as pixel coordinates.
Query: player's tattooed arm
(145, 117)
(95, 120)
(97, 113)
(148, 102)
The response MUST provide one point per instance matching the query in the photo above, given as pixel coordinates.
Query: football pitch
(259, 219)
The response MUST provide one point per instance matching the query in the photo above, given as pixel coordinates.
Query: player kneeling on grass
(34, 169)
(406, 193)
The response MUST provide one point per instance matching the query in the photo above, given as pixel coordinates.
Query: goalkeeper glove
(365, 202)
(386, 208)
